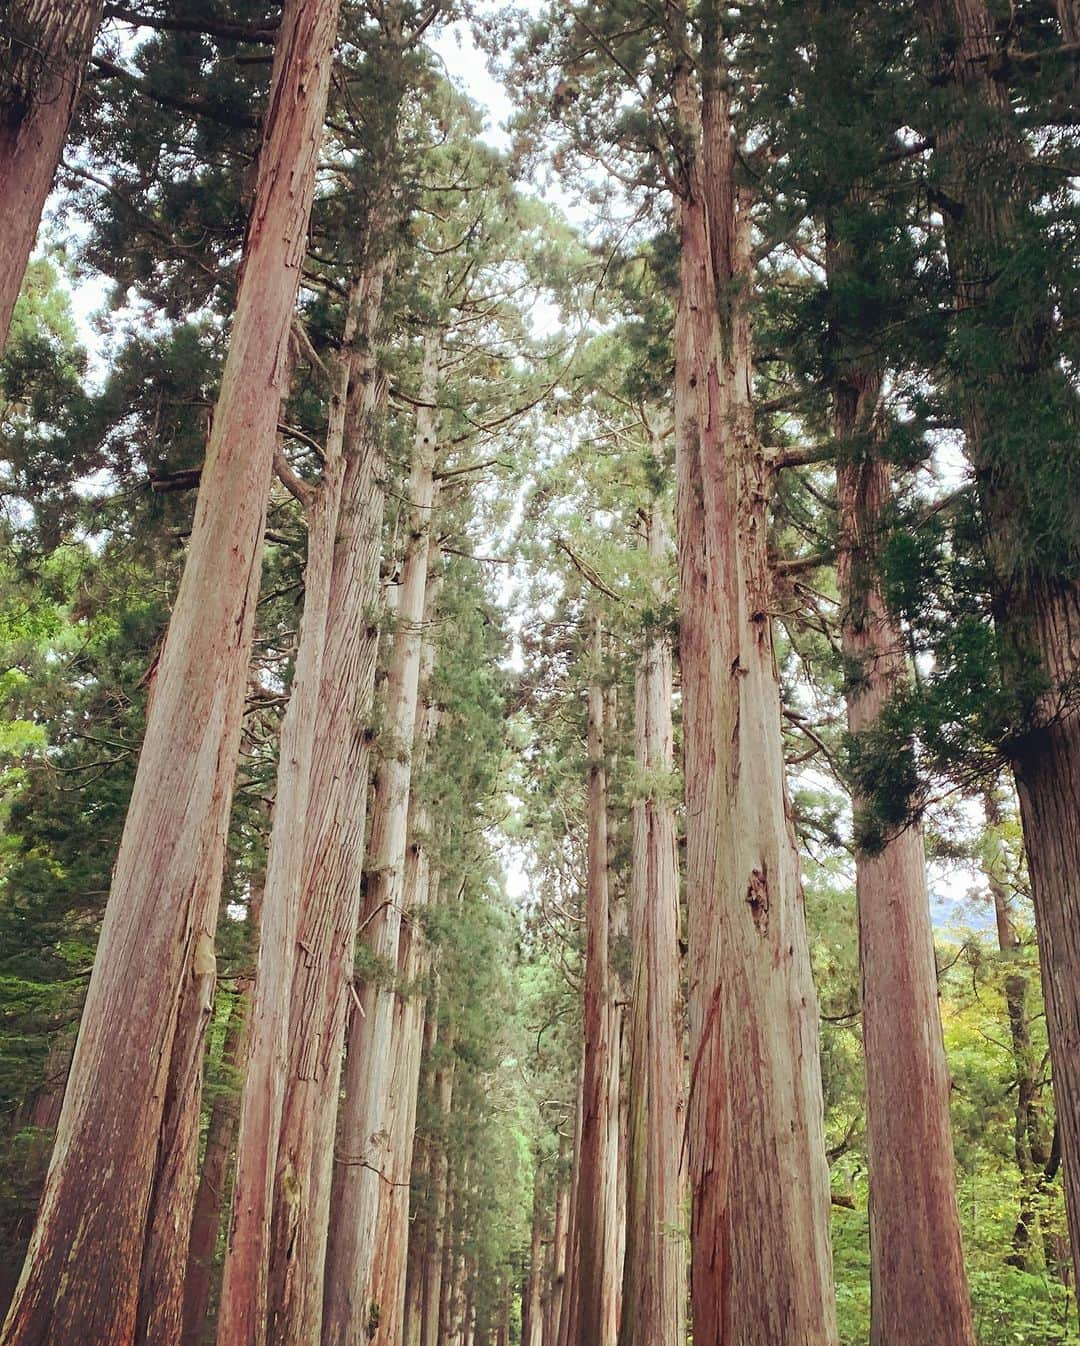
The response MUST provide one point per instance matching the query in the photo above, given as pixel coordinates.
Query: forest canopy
(540, 610)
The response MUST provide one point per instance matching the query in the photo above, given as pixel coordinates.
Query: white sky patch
(466, 66)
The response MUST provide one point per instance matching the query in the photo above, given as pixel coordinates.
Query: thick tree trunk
(337, 811)
(361, 1155)
(153, 975)
(761, 1261)
(1036, 610)
(918, 1284)
(654, 1305)
(46, 44)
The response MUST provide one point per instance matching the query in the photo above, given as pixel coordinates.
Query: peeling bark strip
(44, 47)
(142, 1025)
(919, 1290)
(761, 1263)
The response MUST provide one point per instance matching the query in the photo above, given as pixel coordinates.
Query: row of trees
(834, 251)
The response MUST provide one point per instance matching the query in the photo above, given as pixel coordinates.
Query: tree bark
(918, 1284)
(153, 976)
(761, 1261)
(46, 45)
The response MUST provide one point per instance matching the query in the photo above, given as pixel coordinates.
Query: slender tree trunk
(596, 1274)
(568, 1318)
(635, 1284)
(918, 1284)
(445, 1306)
(361, 1155)
(422, 1230)
(1031, 1143)
(393, 1227)
(221, 1131)
(210, 1195)
(761, 1261)
(618, 999)
(46, 44)
(557, 1258)
(44, 1111)
(243, 1318)
(1036, 610)
(153, 976)
(502, 1337)
(532, 1326)
(654, 1305)
(435, 1253)
(420, 890)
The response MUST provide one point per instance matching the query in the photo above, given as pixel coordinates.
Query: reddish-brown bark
(153, 976)
(45, 49)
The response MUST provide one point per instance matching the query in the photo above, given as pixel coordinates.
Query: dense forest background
(476, 734)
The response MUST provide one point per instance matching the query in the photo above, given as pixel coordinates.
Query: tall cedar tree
(1006, 363)
(755, 1123)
